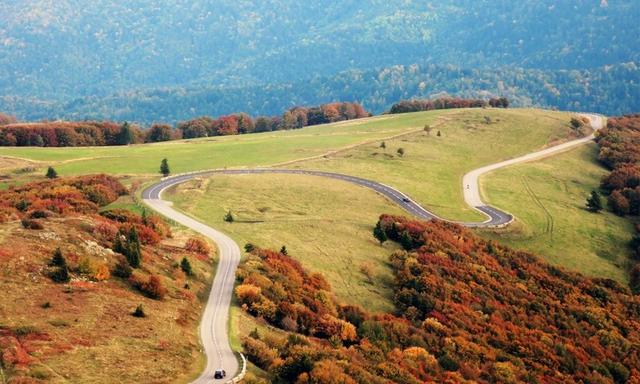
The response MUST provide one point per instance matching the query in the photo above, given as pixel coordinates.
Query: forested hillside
(60, 51)
(468, 311)
(609, 90)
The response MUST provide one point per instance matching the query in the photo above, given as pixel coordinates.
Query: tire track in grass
(549, 220)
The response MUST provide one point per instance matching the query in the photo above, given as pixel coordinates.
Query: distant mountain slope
(64, 49)
(610, 90)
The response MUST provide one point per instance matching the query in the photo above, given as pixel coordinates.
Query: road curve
(214, 324)
(471, 184)
(214, 331)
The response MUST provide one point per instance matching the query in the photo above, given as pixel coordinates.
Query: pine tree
(61, 272)
(594, 202)
(125, 137)
(58, 260)
(406, 241)
(283, 250)
(383, 145)
(164, 168)
(401, 152)
(228, 217)
(60, 275)
(51, 173)
(134, 254)
(185, 265)
(379, 234)
(139, 312)
(249, 247)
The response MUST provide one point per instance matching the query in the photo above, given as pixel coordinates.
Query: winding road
(214, 325)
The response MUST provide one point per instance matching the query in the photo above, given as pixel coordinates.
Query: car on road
(220, 374)
(406, 200)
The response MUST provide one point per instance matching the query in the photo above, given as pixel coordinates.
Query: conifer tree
(51, 173)
(125, 137)
(58, 260)
(185, 265)
(164, 168)
(379, 234)
(594, 202)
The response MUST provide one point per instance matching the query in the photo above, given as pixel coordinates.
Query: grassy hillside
(325, 223)
(548, 199)
(432, 167)
(78, 326)
(231, 151)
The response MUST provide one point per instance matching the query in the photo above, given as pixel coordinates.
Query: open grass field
(325, 224)
(432, 167)
(548, 199)
(230, 151)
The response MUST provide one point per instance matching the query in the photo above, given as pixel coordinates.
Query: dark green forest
(609, 90)
(150, 60)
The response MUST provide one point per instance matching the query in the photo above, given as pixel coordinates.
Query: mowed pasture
(260, 149)
(325, 224)
(548, 199)
(432, 166)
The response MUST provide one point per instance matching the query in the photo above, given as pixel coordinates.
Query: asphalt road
(471, 184)
(214, 325)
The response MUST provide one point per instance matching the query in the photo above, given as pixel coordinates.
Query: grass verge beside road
(548, 199)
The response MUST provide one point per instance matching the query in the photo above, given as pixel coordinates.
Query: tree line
(417, 105)
(94, 133)
(619, 145)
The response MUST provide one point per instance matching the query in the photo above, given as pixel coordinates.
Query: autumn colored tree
(159, 132)
(197, 245)
(619, 203)
(227, 125)
(7, 119)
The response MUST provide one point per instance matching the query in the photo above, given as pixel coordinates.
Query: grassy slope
(230, 151)
(548, 199)
(325, 224)
(92, 337)
(432, 168)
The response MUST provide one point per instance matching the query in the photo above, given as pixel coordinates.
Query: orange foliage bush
(151, 286)
(197, 245)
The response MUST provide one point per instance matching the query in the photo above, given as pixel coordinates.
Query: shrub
(185, 265)
(197, 245)
(151, 287)
(51, 173)
(122, 268)
(32, 224)
(139, 312)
